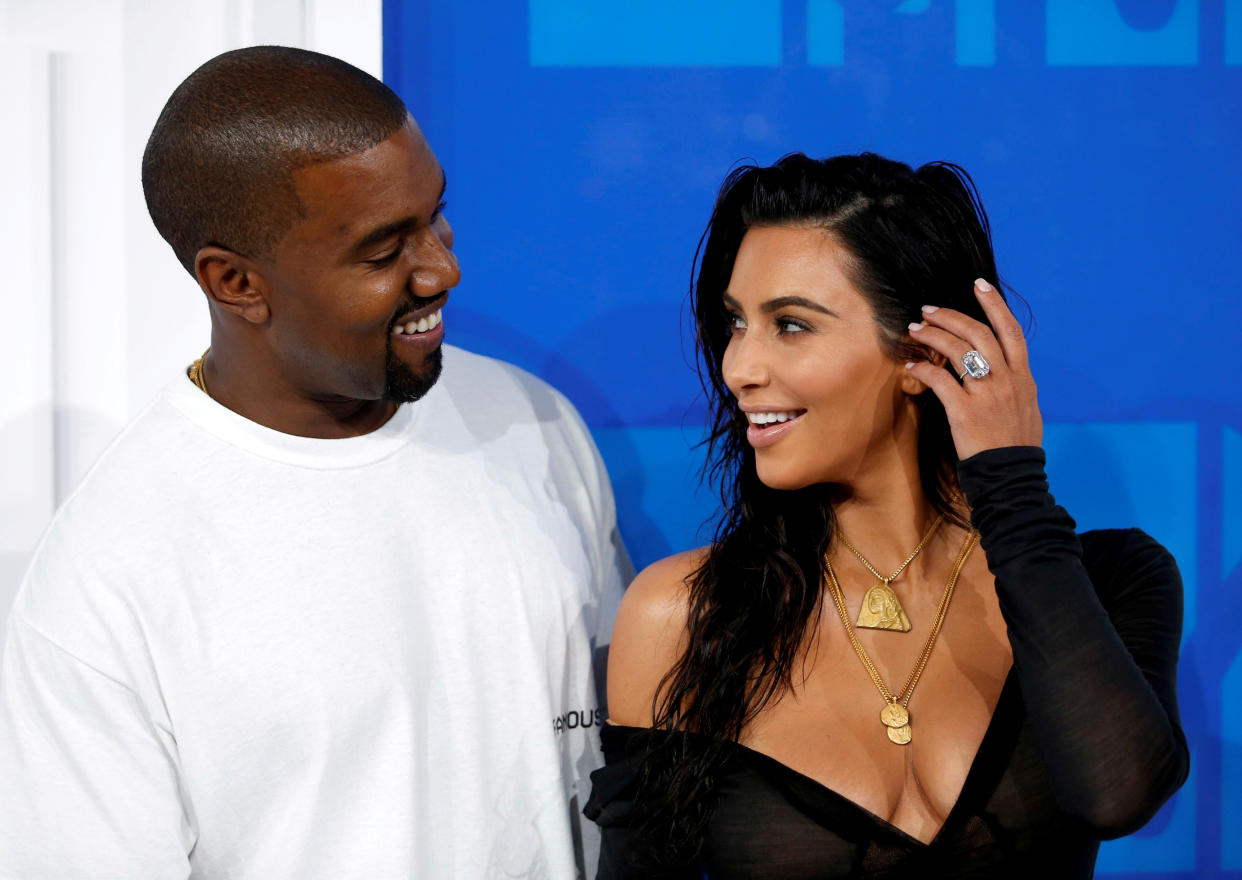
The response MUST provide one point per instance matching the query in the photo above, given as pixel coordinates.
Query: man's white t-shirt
(240, 653)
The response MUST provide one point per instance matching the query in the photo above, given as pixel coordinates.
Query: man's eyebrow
(385, 232)
(397, 227)
(782, 302)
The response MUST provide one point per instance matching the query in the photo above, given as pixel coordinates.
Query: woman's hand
(998, 409)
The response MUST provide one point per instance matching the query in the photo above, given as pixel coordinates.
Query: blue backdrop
(584, 141)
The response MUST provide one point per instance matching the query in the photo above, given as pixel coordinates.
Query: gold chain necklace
(198, 372)
(881, 609)
(895, 716)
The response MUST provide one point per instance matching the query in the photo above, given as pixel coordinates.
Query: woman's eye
(736, 322)
(786, 325)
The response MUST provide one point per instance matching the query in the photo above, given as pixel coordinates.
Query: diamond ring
(976, 366)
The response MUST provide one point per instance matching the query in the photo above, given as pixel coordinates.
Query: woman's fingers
(953, 334)
(998, 409)
(939, 381)
(953, 346)
(1008, 331)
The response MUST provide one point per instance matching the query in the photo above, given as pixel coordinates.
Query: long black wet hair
(914, 237)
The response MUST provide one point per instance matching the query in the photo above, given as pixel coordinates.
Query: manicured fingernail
(982, 286)
(910, 365)
(916, 327)
(929, 309)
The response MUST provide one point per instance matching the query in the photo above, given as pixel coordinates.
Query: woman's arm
(1098, 679)
(1096, 661)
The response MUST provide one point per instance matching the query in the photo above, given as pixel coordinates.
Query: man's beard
(403, 385)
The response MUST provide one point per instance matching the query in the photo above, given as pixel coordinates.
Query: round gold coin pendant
(894, 715)
(899, 735)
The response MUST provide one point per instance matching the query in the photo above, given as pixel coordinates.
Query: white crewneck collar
(309, 452)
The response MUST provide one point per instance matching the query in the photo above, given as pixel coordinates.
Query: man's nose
(436, 266)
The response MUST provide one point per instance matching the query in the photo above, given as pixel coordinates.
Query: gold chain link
(198, 372)
(871, 568)
(942, 611)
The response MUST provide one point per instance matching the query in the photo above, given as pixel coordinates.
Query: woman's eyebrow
(782, 302)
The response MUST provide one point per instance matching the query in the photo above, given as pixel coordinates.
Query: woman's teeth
(422, 325)
(767, 418)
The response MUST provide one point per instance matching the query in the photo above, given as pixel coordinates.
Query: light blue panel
(1233, 31)
(651, 33)
(1231, 502)
(1231, 767)
(914, 7)
(976, 33)
(1121, 474)
(825, 33)
(1093, 32)
(660, 504)
(1171, 849)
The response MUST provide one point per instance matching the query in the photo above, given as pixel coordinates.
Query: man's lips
(424, 312)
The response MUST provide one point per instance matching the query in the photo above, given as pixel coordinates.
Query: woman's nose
(744, 365)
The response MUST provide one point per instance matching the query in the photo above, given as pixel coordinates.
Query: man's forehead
(352, 193)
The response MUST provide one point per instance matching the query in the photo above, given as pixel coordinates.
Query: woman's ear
(233, 283)
(917, 352)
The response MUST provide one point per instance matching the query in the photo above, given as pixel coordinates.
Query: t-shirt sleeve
(88, 783)
(1095, 630)
(613, 570)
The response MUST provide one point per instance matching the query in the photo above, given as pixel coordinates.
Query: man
(318, 612)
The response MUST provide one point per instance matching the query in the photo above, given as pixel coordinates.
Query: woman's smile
(769, 425)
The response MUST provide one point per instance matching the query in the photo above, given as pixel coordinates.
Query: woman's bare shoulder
(649, 636)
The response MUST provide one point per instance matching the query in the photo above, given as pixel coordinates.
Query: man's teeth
(767, 418)
(422, 325)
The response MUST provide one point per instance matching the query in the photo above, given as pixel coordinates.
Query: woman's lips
(760, 436)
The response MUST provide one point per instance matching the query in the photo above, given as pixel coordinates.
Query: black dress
(1085, 743)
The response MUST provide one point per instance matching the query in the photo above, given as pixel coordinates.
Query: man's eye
(383, 258)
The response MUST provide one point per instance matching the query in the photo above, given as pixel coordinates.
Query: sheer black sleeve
(611, 806)
(1095, 625)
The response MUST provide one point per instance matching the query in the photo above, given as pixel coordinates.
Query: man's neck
(249, 391)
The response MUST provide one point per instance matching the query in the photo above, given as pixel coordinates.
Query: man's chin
(405, 385)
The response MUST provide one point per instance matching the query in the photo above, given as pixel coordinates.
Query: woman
(897, 653)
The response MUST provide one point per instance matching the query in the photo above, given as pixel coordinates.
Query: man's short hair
(218, 167)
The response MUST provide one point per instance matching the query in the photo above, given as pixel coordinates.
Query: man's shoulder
(468, 371)
(134, 477)
(489, 387)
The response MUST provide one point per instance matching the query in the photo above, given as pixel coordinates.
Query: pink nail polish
(916, 327)
(929, 309)
(983, 286)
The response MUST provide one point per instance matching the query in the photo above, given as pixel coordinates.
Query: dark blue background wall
(584, 141)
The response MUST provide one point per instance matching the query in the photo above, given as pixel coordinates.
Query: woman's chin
(782, 479)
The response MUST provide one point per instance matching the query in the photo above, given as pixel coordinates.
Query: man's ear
(918, 352)
(233, 283)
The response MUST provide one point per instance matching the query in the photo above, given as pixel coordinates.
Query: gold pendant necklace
(881, 609)
(895, 716)
(198, 372)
